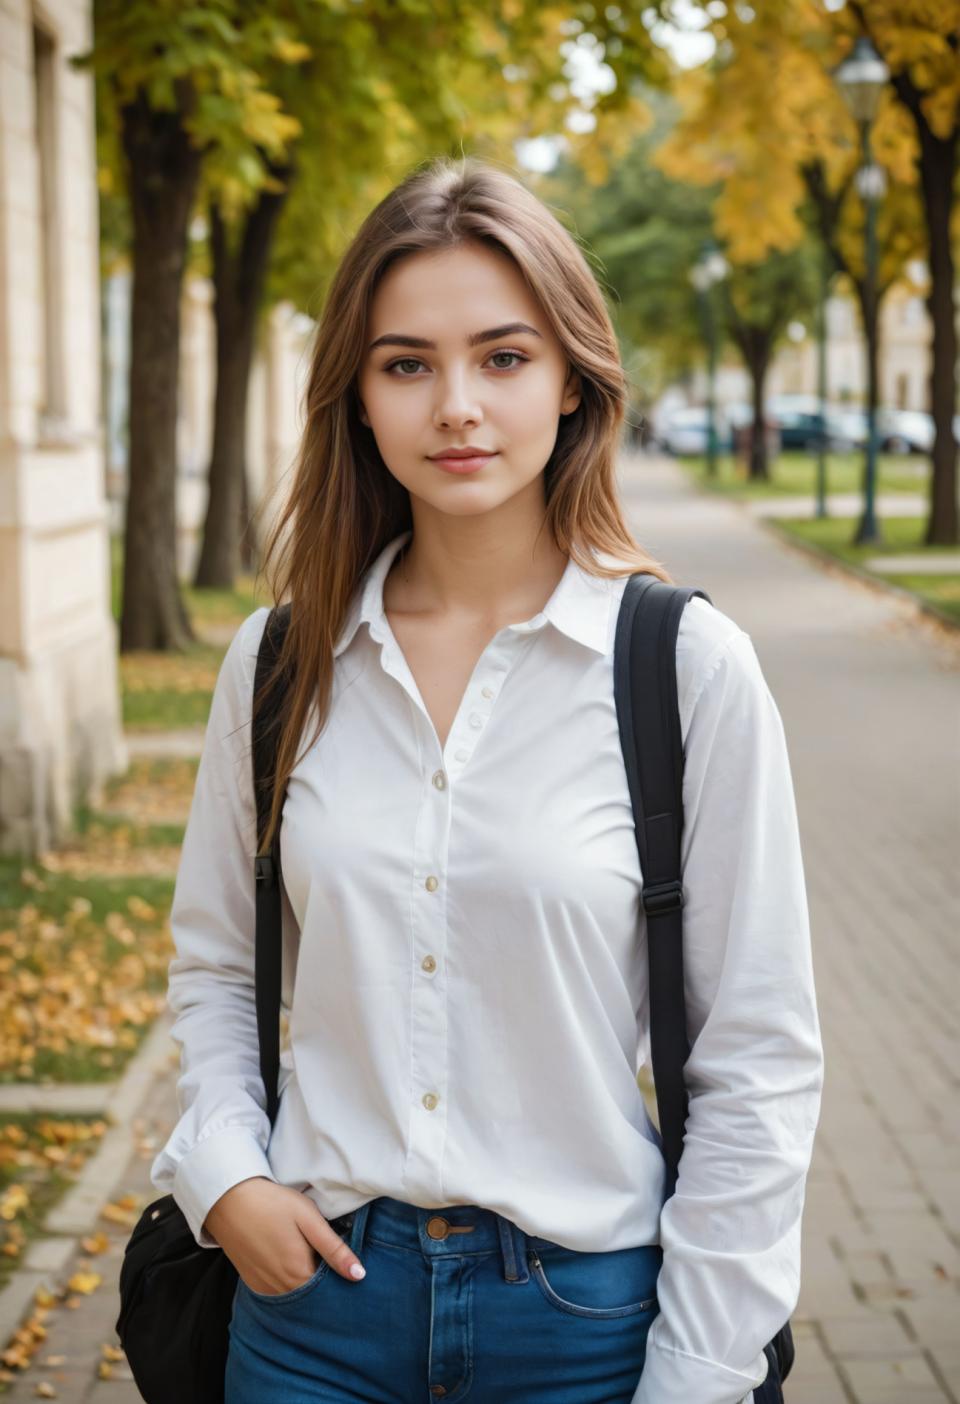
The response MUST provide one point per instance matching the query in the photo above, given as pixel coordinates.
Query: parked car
(685, 431)
(802, 422)
(905, 431)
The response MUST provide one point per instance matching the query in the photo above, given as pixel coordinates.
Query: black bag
(176, 1298)
(645, 689)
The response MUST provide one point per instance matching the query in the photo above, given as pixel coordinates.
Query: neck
(498, 566)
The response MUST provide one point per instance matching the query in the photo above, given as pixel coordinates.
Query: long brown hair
(344, 505)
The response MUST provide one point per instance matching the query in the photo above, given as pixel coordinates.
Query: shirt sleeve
(223, 1128)
(731, 1231)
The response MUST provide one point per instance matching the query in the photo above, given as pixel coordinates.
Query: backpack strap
(648, 715)
(265, 736)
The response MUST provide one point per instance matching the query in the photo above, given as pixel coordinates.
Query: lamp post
(861, 78)
(823, 437)
(711, 267)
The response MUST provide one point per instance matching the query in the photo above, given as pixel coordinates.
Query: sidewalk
(867, 687)
(868, 691)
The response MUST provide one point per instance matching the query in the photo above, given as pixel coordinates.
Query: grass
(901, 536)
(794, 473)
(84, 958)
(167, 691)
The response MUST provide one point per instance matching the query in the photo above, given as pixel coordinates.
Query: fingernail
(357, 1271)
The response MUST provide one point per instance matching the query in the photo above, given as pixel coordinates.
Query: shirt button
(488, 692)
(430, 1100)
(462, 755)
(476, 721)
(440, 780)
(431, 883)
(429, 964)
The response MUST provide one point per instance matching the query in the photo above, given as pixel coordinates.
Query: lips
(461, 461)
(470, 451)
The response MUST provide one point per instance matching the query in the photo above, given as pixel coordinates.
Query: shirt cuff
(674, 1377)
(217, 1163)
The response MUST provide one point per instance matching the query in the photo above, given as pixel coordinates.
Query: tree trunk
(757, 363)
(755, 344)
(938, 163)
(937, 167)
(162, 171)
(239, 273)
(249, 539)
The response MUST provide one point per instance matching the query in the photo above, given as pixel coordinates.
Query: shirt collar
(579, 606)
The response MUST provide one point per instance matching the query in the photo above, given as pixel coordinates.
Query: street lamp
(711, 267)
(861, 78)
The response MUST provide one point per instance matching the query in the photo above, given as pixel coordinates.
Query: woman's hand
(274, 1235)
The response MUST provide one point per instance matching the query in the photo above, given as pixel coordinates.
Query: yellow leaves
(27, 1339)
(157, 672)
(264, 121)
(67, 993)
(95, 1243)
(12, 1201)
(615, 130)
(291, 50)
(122, 1211)
(152, 792)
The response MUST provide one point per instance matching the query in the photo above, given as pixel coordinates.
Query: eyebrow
(474, 339)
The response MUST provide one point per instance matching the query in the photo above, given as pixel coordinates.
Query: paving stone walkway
(869, 692)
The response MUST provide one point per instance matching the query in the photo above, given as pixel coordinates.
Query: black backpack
(176, 1297)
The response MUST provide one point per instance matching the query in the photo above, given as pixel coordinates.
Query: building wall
(60, 733)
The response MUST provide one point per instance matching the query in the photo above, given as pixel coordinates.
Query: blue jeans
(458, 1304)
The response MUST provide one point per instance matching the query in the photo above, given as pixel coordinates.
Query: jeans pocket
(621, 1282)
(295, 1293)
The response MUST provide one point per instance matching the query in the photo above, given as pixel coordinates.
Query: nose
(456, 405)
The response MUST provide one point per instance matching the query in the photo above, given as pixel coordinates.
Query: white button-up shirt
(465, 968)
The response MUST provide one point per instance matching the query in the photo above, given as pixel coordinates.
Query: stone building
(60, 731)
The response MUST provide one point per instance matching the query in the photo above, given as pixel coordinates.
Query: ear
(572, 394)
(362, 414)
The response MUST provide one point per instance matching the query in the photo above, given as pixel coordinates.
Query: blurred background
(767, 194)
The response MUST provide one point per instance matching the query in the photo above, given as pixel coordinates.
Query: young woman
(464, 949)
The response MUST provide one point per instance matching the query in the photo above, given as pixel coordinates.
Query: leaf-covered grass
(901, 535)
(218, 608)
(40, 1155)
(84, 964)
(84, 935)
(794, 473)
(169, 691)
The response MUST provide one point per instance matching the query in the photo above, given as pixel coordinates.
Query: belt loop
(513, 1244)
(359, 1227)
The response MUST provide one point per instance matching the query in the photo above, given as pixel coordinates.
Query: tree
(773, 123)
(189, 95)
(765, 117)
(174, 79)
(759, 301)
(642, 232)
(920, 42)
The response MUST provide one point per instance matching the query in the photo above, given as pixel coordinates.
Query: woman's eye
(515, 354)
(515, 357)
